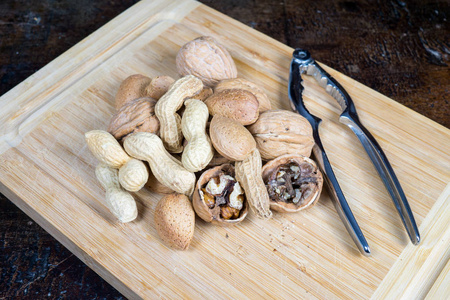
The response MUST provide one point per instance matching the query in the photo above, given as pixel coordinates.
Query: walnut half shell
(218, 197)
(293, 182)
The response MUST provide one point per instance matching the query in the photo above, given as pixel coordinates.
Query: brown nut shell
(213, 215)
(159, 86)
(206, 59)
(133, 87)
(230, 138)
(204, 94)
(239, 105)
(279, 132)
(309, 174)
(175, 220)
(244, 84)
(135, 116)
(157, 187)
(217, 160)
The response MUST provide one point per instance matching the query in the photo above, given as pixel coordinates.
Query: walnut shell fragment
(293, 182)
(244, 84)
(279, 132)
(218, 197)
(135, 116)
(206, 59)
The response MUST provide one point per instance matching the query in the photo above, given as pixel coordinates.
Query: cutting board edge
(24, 102)
(68, 243)
(13, 196)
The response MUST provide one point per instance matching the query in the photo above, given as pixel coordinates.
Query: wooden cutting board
(47, 170)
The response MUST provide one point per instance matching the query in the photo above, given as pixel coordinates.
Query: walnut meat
(135, 116)
(279, 132)
(219, 198)
(293, 182)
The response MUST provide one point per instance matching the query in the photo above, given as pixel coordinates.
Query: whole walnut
(135, 116)
(279, 132)
(206, 59)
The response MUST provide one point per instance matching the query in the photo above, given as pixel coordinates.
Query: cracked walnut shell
(293, 182)
(218, 197)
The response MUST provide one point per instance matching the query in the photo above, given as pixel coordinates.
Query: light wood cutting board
(47, 170)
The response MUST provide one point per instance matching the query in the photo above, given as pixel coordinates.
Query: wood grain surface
(399, 49)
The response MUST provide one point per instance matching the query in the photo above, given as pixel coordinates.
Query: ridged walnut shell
(206, 59)
(236, 104)
(213, 215)
(230, 138)
(279, 132)
(175, 220)
(312, 178)
(244, 84)
(135, 116)
(133, 87)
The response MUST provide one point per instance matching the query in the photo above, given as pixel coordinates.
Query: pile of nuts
(201, 140)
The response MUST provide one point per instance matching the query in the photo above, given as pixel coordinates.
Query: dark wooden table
(400, 49)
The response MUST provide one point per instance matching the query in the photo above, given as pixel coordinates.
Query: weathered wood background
(400, 49)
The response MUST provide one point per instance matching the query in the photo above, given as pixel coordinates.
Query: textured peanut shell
(166, 168)
(248, 173)
(239, 105)
(213, 215)
(157, 187)
(272, 165)
(198, 152)
(279, 132)
(206, 59)
(230, 138)
(133, 175)
(106, 148)
(175, 221)
(135, 116)
(133, 87)
(166, 111)
(243, 84)
(159, 86)
(120, 202)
